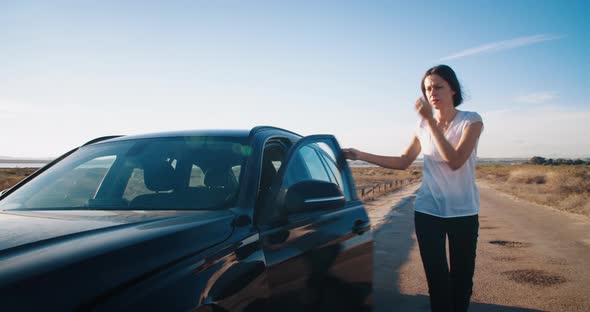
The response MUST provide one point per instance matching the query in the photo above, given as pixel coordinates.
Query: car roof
(243, 133)
(185, 133)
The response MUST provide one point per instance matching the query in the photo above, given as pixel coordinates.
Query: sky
(71, 71)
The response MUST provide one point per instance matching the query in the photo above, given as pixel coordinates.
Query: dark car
(253, 220)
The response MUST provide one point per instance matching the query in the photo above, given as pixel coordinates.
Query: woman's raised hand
(424, 108)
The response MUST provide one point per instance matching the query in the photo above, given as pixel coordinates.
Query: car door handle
(360, 226)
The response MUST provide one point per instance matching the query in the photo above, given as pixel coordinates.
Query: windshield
(181, 173)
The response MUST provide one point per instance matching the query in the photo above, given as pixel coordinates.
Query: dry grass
(11, 176)
(563, 187)
(370, 175)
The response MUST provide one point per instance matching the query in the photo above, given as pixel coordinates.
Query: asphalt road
(530, 257)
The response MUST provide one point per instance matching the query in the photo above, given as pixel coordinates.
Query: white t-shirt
(446, 193)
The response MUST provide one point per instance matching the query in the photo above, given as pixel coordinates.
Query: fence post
(371, 191)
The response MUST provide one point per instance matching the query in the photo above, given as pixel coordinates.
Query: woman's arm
(455, 158)
(402, 162)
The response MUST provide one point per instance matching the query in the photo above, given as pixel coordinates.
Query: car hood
(24, 228)
(51, 251)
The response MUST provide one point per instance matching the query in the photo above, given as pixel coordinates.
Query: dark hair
(446, 73)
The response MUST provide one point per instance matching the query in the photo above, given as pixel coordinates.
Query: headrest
(220, 178)
(158, 176)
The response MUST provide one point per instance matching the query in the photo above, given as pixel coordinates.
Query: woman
(447, 203)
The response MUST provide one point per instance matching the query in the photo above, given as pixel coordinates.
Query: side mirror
(312, 195)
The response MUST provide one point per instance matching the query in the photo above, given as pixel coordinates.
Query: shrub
(537, 160)
(527, 176)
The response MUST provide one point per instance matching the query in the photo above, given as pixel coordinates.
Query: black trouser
(450, 290)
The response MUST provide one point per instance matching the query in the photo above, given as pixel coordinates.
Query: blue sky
(75, 70)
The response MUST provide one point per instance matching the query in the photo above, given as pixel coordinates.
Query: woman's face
(438, 92)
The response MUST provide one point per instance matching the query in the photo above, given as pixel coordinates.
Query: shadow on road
(393, 244)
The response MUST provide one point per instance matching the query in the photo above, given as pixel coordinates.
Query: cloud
(537, 97)
(503, 45)
(542, 131)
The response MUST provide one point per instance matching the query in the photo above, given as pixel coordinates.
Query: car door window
(336, 173)
(316, 161)
(272, 160)
(314, 165)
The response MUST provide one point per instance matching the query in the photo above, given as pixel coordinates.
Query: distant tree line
(537, 160)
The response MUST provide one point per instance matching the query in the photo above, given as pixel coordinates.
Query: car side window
(306, 165)
(336, 173)
(316, 161)
(197, 177)
(315, 167)
(272, 160)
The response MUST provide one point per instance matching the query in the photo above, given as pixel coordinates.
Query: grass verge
(11, 176)
(566, 188)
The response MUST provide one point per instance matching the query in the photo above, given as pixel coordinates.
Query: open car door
(316, 233)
